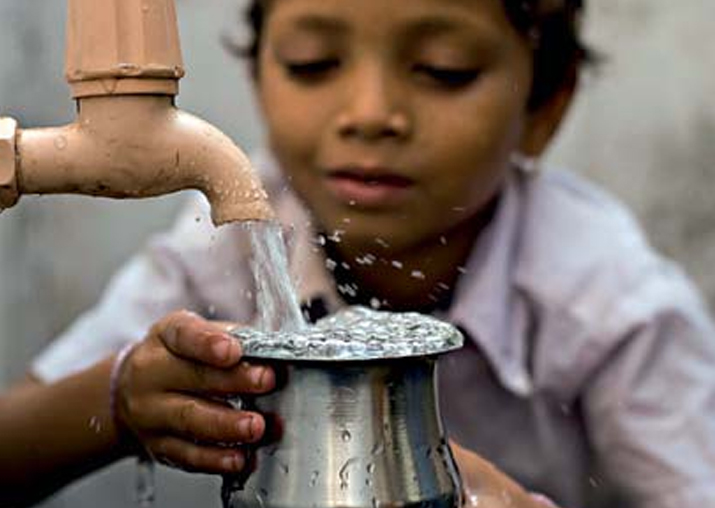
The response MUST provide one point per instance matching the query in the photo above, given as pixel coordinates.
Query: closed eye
(312, 69)
(446, 76)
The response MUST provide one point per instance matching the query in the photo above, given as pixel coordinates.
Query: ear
(543, 122)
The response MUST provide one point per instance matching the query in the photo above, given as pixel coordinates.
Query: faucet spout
(136, 146)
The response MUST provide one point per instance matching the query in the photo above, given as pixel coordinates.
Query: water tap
(123, 65)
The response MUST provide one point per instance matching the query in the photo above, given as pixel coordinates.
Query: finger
(192, 457)
(191, 337)
(203, 421)
(492, 487)
(245, 378)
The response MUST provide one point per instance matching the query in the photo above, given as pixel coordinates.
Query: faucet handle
(9, 193)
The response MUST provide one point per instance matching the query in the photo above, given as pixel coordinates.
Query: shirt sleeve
(651, 406)
(177, 270)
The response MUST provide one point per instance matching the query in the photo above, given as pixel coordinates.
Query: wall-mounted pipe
(129, 140)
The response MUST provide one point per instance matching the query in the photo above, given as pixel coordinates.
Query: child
(408, 133)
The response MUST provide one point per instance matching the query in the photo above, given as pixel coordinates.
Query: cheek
(292, 126)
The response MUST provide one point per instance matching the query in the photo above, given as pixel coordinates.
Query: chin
(377, 241)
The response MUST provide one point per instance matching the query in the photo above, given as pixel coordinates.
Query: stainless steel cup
(351, 434)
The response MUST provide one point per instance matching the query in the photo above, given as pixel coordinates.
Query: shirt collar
(486, 304)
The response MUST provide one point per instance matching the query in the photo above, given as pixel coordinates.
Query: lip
(368, 187)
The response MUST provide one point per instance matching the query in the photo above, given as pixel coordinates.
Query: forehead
(425, 16)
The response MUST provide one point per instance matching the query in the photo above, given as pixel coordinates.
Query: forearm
(53, 434)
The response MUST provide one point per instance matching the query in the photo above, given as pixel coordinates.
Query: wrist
(127, 441)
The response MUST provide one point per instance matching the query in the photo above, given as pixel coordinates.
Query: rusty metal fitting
(9, 192)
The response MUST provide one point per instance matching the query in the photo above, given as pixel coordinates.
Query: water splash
(356, 333)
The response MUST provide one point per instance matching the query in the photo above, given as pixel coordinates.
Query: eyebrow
(437, 25)
(315, 22)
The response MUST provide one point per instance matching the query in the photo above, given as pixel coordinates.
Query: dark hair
(552, 26)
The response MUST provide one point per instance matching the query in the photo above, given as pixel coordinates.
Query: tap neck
(113, 108)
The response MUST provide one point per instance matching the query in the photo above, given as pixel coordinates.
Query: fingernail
(169, 334)
(221, 350)
(245, 427)
(232, 462)
(257, 376)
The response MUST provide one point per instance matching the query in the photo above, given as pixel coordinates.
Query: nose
(375, 107)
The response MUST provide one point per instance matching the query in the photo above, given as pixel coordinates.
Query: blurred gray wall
(56, 253)
(643, 126)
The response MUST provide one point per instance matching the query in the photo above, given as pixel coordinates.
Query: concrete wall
(644, 127)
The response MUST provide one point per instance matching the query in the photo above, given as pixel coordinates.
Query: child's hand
(170, 395)
(484, 486)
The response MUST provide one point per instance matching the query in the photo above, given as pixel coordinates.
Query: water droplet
(378, 449)
(370, 468)
(95, 424)
(375, 503)
(60, 142)
(345, 435)
(506, 497)
(382, 243)
(443, 240)
(417, 274)
(397, 264)
(109, 85)
(314, 478)
(284, 468)
(235, 402)
(344, 473)
(145, 485)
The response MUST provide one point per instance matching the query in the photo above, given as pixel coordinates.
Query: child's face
(393, 119)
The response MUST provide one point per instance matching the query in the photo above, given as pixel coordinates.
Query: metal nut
(9, 193)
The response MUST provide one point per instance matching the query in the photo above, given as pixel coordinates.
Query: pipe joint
(9, 189)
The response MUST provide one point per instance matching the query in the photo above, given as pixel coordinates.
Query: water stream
(277, 310)
(276, 299)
